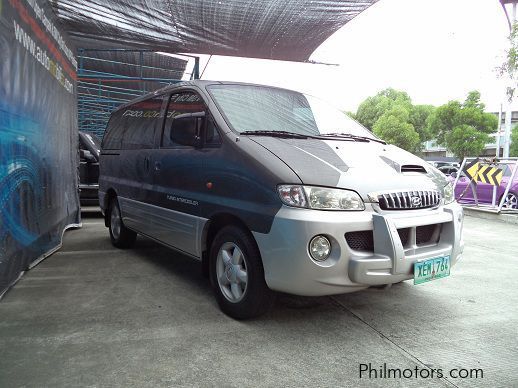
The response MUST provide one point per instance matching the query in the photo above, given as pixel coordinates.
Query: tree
(473, 101)
(513, 150)
(444, 119)
(394, 127)
(463, 128)
(371, 110)
(374, 107)
(352, 115)
(509, 68)
(419, 118)
(465, 140)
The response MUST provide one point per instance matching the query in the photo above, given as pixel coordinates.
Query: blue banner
(38, 136)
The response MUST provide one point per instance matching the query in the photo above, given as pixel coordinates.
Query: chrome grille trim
(398, 199)
(407, 200)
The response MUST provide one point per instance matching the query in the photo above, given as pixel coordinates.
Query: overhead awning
(272, 29)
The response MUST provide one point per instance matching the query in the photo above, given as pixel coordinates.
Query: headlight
(320, 198)
(448, 193)
(292, 195)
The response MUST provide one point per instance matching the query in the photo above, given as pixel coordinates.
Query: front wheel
(237, 274)
(120, 236)
(511, 201)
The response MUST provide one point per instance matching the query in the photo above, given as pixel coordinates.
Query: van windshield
(250, 108)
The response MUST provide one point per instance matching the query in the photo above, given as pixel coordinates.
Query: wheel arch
(211, 228)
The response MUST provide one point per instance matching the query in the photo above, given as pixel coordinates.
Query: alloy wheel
(231, 272)
(115, 221)
(511, 201)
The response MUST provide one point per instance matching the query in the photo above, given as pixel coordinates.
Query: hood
(365, 167)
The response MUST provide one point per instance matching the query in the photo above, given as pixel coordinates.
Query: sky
(435, 50)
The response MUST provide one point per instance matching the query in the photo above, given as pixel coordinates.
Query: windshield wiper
(276, 134)
(354, 137)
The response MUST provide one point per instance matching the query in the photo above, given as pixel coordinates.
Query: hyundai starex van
(273, 190)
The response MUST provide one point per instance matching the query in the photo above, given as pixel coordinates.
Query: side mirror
(186, 129)
(453, 174)
(87, 156)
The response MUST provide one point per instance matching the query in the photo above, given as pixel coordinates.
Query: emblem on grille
(415, 201)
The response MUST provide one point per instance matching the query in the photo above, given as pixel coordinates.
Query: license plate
(431, 269)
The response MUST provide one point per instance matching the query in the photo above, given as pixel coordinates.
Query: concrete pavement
(92, 315)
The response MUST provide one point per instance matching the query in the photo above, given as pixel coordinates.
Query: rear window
(113, 138)
(133, 127)
(141, 121)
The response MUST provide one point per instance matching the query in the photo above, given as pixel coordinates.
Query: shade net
(38, 136)
(109, 78)
(280, 29)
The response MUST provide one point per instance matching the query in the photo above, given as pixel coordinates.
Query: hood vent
(413, 168)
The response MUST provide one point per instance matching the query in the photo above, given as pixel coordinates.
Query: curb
(507, 218)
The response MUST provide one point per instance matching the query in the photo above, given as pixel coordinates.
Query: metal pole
(141, 64)
(196, 71)
(458, 174)
(509, 184)
(508, 123)
(497, 137)
(509, 112)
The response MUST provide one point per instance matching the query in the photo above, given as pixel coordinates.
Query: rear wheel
(237, 274)
(511, 201)
(120, 236)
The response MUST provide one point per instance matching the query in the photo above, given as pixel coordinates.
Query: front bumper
(289, 268)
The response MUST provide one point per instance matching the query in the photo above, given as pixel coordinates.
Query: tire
(511, 201)
(120, 236)
(237, 274)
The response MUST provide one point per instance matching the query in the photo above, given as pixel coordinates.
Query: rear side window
(179, 104)
(141, 119)
(113, 137)
(506, 169)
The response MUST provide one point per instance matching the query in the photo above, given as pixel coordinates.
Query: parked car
(89, 150)
(273, 190)
(448, 170)
(484, 191)
(439, 164)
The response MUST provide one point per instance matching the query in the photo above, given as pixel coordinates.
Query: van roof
(199, 83)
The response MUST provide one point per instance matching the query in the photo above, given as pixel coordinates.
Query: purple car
(485, 191)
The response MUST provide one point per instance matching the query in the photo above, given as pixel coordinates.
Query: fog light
(319, 248)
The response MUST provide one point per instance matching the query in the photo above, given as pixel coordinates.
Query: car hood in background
(365, 167)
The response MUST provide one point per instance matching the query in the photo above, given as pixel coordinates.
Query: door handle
(158, 166)
(146, 163)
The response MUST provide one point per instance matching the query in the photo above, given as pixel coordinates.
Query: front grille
(404, 234)
(409, 200)
(361, 241)
(427, 234)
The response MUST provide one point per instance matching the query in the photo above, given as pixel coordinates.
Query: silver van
(273, 190)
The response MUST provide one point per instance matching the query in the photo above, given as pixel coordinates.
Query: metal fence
(480, 187)
(109, 78)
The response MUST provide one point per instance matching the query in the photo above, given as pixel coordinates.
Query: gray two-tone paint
(240, 178)
(176, 229)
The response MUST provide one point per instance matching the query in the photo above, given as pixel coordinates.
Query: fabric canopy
(272, 29)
